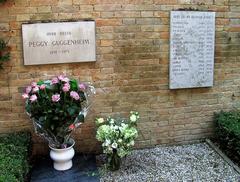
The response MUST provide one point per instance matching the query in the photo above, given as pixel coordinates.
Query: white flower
(133, 118)
(100, 121)
(114, 145)
(109, 149)
(112, 121)
(132, 143)
(124, 125)
(112, 128)
(120, 140)
(108, 142)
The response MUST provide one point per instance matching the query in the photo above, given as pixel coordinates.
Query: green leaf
(42, 118)
(52, 127)
(74, 85)
(55, 118)
(40, 82)
(80, 118)
(71, 110)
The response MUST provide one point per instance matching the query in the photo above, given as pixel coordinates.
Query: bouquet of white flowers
(117, 137)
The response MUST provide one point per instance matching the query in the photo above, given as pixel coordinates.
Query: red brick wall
(131, 71)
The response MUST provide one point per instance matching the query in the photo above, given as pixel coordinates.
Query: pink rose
(35, 89)
(66, 87)
(34, 84)
(74, 95)
(61, 77)
(25, 96)
(33, 98)
(28, 89)
(65, 79)
(56, 97)
(82, 86)
(42, 87)
(71, 127)
(54, 81)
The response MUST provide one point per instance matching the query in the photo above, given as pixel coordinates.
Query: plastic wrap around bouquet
(57, 107)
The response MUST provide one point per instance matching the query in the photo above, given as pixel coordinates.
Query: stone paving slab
(84, 169)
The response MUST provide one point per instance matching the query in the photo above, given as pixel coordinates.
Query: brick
(146, 13)
(65, 2)
(4, 27)
(86, 7)
(84, 2)
(234, 29)
(127, 14)
(43, 16)
(234, 2)
(112, 7)
(106, 43)
(147, 28)
(86, 15)
(107, 14)
(221, 21)
(44, 9)
(21, 3)
(221, 2)
(161, 14)
(23, 17)
(130, 28)
(148, 21)
(165, 1)
(108, 22)
(22, 10)
(65, 9)
(43, 3)
(129, 21)
(7, 18)
(198, 2)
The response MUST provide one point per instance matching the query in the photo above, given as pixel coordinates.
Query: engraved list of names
(192, 38)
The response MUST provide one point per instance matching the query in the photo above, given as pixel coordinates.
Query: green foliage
(4, 52)
(14, 153)
(228, 132)
(3, 1)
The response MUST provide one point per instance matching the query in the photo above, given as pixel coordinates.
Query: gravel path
(197, 162)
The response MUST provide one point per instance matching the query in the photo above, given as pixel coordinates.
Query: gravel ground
(197, 162)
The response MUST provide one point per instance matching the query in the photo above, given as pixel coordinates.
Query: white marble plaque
(66, 42)
(192, 37)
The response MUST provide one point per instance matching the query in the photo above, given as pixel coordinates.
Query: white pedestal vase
(62, 158)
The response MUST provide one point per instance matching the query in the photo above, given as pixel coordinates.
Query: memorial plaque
(66, 42)
(192, 38)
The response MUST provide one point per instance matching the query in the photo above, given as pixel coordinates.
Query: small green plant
(3, 1)
(4, 52)
(14, 154)
(117, 137)
(228, 132)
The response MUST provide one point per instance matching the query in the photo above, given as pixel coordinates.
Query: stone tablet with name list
(192, 37)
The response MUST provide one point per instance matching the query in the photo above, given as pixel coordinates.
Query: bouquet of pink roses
(57, 107)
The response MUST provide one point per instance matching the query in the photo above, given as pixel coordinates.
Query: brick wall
(131, 71)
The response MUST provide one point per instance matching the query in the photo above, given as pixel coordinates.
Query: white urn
(62, 158)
